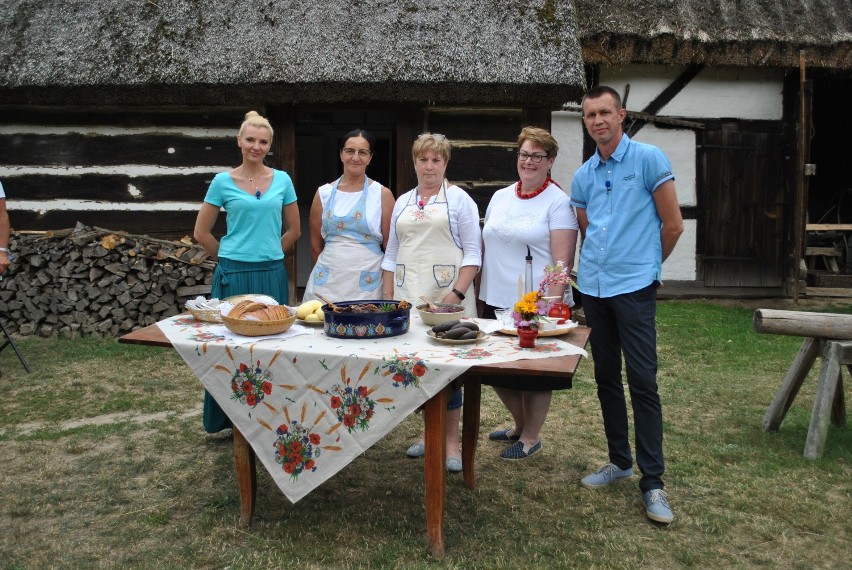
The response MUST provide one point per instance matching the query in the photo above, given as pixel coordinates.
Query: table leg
(246, 476)
(470, 427)
(434, 417)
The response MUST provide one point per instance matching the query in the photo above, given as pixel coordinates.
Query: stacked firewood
(90, 281)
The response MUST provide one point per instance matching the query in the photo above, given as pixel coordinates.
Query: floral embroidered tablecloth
(309, 404)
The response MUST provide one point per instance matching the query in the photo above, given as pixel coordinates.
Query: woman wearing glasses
(349, 225)
(533, 213)
(434, 250)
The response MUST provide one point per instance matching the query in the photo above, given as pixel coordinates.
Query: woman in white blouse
(434, 250)
(531, 216)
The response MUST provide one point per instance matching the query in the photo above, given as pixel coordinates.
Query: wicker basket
(244, 327)
(206, 315)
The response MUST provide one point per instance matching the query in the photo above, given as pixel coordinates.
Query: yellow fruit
(320, 314)
(315, 305)
(313, 318)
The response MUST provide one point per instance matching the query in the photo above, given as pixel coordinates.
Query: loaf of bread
(254, 311)
(277, 313)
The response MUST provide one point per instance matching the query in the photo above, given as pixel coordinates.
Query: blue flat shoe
(518, 451)
(507, 435)
(416, 450)
(454, 464)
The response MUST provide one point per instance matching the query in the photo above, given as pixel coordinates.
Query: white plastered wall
(754, 94)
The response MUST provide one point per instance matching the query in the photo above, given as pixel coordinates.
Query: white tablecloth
(309, 404)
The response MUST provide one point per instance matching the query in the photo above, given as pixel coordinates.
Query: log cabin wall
(137, 169)
(146, 169)
(484, 143)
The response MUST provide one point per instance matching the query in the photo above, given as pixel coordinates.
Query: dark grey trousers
(626, 324)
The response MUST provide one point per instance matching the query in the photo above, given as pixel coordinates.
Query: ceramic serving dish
(366, 325)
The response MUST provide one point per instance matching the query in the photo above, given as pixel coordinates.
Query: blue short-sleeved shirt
(254, 225)
(622, 250)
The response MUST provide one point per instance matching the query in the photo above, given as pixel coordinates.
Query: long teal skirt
(242, 278)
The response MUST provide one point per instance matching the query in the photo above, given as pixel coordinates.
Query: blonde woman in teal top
(262, 223)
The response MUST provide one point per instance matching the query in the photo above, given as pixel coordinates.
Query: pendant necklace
(255, 188)
(419, 200)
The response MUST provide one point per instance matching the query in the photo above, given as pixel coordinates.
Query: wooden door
(318, 137)
(743, 198)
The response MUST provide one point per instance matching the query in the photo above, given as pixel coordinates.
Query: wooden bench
(827, 334)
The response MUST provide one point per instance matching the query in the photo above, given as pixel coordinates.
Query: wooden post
(824, 400)
(800, 205)
(792, 382)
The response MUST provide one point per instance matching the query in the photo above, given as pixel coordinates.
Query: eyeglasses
(437, 136)
(362, 152)
(523, 156)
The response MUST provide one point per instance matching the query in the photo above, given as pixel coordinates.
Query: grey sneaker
(606, 475)
(657, 506)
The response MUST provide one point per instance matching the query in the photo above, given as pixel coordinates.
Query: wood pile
(90, 281)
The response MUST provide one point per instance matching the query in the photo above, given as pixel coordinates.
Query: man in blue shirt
(630, 220)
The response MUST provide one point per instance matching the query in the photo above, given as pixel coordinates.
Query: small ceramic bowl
(432, 319)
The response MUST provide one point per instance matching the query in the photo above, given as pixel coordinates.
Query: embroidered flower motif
(544, 347)
(405, 369)
(250, 384)
(296, 449)
(206, 337)
(353, 405)
(466, 353)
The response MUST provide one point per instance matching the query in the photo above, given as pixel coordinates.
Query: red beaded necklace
(547, 182)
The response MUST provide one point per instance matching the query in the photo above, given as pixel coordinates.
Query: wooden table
(434, 415)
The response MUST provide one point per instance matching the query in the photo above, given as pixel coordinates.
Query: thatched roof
(717, 32)
(216, 51)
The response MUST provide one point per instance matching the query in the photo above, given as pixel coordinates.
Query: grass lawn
(105, 464)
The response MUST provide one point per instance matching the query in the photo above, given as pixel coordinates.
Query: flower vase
(526, 337)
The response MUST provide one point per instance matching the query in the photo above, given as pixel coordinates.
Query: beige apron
(428, 259)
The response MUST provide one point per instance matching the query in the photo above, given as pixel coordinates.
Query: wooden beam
(665, 97)
(827, 292)
(800, 323)
(828, 227)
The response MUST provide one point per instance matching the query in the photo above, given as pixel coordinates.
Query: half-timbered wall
(746, 97)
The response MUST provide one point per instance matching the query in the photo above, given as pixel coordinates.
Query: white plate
(479, 337)
(559, 330)
(309, 323)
